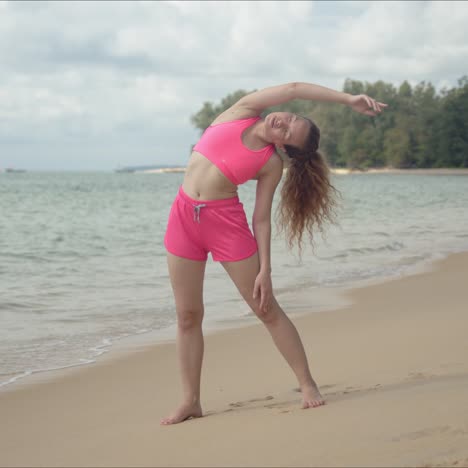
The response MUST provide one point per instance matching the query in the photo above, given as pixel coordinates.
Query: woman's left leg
(282, 330)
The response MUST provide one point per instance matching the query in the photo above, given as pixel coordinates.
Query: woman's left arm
(260, 100)
(267, 182)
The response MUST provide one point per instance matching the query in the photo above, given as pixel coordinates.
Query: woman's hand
(366, 105)
(264, 289)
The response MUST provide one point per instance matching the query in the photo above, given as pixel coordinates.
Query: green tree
(452, 145)
(427, 109)
(205, 116)
(397, 148)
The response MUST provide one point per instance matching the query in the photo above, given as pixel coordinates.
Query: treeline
(420, 128)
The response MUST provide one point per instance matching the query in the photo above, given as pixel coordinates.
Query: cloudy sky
(98, 85)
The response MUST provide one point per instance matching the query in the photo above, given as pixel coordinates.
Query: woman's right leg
(282, 330)
(187, 283)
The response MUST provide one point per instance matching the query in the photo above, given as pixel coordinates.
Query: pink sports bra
(222, 145)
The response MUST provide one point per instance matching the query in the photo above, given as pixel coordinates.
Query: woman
(207, 217)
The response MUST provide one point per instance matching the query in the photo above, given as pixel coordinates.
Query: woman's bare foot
(311, 397)
(183, 412)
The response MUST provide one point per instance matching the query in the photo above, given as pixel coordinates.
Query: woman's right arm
(276, 95)
(255, 103)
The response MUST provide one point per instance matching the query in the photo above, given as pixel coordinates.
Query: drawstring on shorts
(197, 205)
(196, 212)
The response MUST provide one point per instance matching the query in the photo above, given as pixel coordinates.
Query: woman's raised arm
(260, 100)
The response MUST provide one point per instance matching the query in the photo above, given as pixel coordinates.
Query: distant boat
(125, 169)
(10, 169)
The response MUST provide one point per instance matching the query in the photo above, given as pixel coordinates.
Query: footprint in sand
(452, 431)
(420, 376)
(449, 462)
(241, 404)
(284, 407)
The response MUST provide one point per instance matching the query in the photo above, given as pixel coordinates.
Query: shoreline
(391, 364)
(166, 336)
(346, 171)
(332, 298)
(333, 170)
(389, 170)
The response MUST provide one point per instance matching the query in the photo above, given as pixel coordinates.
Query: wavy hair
(308, 199)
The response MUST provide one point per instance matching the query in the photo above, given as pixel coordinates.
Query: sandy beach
(393, 367)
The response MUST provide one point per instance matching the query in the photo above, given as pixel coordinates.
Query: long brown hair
(308, 199)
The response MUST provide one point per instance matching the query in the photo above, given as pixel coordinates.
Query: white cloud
(131, 73)
(420, 40)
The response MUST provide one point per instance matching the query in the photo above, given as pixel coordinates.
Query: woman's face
(285, 128)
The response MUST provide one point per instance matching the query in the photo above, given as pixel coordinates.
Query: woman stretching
(207, 217)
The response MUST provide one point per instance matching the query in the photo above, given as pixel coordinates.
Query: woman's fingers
(262, 300)
(265, 299)
(374, 105)
(368, 106)
(368, 100)
(255, 290)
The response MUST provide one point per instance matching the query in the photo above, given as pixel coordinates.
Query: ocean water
(82, 262)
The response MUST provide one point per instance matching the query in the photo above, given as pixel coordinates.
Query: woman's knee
(189, 318)
(267, 316)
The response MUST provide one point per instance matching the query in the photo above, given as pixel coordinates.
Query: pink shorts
(196, 227)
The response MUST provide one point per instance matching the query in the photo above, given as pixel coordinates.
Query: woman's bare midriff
(204, 181)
